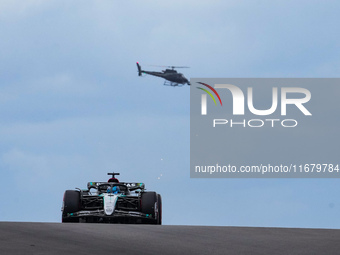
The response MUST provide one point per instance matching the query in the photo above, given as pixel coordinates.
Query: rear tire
(149, 201)
(71, 205)
(159, 204)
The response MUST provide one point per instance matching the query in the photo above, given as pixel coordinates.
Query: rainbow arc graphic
(209, 93)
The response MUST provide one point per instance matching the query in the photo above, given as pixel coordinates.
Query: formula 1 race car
(112, 202)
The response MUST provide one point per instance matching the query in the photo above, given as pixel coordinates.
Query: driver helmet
(114, 190)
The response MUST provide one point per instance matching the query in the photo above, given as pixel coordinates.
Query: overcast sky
(73, 108)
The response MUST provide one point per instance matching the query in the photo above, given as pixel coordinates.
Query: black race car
(112, 202)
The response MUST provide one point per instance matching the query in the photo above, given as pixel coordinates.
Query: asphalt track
(57, 238)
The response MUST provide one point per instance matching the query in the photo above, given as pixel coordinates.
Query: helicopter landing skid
(172, 84)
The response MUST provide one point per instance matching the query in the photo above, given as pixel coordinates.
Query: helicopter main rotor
(172, 67)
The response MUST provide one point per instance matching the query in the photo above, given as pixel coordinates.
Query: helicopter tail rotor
(139, 69)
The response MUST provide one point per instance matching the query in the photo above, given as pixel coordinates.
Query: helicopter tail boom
(139, 69)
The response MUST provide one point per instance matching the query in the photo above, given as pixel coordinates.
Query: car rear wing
(130, 185)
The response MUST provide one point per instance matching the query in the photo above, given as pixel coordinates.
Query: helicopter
(171, 76)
